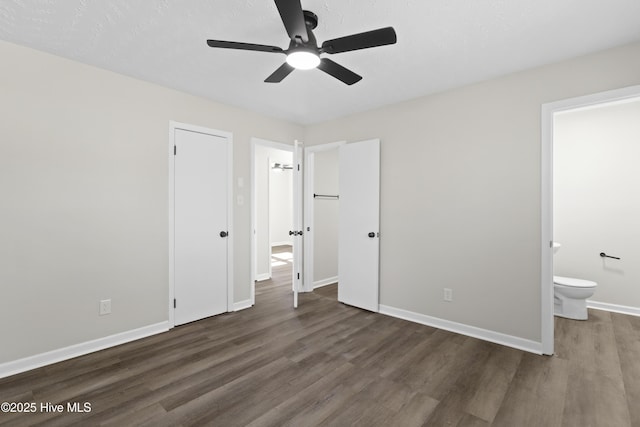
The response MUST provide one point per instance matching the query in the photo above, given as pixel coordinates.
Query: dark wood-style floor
(333, 365)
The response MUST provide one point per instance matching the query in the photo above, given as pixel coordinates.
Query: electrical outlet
(105, 307)
(448, 294)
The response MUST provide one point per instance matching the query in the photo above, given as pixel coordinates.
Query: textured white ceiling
(441, 44)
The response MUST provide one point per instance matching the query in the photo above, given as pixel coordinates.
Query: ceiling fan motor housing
(311, 19)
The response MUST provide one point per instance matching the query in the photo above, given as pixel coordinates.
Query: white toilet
(570, 295)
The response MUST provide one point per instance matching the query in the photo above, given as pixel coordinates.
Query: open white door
(297, 231)
(358, 241)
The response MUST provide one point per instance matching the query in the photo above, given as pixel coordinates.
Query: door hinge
(174, 303)
(175, 150)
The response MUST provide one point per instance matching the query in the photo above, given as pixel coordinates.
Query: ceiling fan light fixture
(303, 60)
(304, 53)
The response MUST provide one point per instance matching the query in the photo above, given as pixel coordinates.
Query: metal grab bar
(603, 255)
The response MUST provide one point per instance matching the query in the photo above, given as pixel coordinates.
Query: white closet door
(201, 225)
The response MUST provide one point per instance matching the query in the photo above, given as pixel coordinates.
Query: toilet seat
(573, 282)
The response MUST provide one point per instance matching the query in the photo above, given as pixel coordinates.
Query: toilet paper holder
(603, 255)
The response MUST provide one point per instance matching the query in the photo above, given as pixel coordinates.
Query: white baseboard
(325, 282)
(459, 328)
(261, 277)
(624, 309)
(54, 356)
(241, 305)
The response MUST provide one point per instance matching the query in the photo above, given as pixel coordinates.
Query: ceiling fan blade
(339, 72)
(379, 37)
(278, 75)
(244, 46)
(293, 19)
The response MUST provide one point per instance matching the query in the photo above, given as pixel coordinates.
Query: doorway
(595, 208)
(547, 236)
(200, 258)
(343, 226)
(357, 254)
(272, 208)
(321, 215)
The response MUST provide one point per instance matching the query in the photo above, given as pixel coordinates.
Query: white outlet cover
(105, 307)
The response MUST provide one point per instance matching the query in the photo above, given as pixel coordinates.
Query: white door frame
(297, 273)
(270, 144)
(309, 172)
(268, 233)
(173, 126)
(546, 176)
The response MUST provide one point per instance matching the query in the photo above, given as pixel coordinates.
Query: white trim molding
(242, 305)
(325, 282)
(459, 328)
(623, 309)
(58, 355)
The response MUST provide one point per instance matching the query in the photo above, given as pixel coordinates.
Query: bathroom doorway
(551, 114)
(595, 205)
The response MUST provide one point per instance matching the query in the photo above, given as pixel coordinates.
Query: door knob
(372, 234)
(223, 234)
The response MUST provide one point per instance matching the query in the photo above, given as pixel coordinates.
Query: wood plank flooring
(332, 365)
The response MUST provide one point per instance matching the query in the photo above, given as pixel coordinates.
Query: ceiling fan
(303, 52)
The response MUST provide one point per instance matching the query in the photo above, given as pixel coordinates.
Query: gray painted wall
(84, 180)
(460, 190)
(84, 184)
